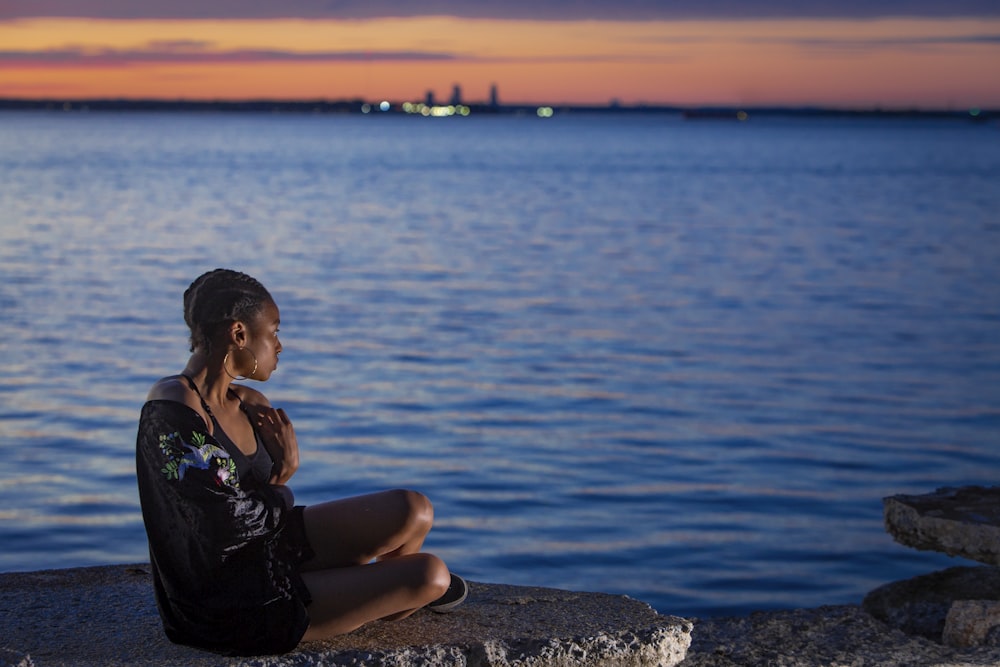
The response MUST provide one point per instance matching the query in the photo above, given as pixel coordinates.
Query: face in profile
(263, 340)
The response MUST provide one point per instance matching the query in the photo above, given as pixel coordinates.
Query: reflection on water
(678, 361)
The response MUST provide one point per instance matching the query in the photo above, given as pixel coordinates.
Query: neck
(209, 376)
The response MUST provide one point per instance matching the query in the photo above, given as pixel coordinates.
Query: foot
(454, 596)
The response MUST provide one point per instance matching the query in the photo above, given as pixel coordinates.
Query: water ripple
(681, 362)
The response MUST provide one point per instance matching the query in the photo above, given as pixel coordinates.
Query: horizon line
(122, 103)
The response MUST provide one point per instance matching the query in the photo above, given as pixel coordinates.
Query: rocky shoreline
(947, 618)
(105, 617)
(841, 636)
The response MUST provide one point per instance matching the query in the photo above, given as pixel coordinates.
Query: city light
(436, 111)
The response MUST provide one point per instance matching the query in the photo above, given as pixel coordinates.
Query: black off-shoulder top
(225, 549)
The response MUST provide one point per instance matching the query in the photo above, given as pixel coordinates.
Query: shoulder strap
(204, 404)
(194, 388)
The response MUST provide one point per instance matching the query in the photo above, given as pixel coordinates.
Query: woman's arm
(276, 432)
(190, 483)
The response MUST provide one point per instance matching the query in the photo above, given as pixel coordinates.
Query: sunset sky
(856, 53)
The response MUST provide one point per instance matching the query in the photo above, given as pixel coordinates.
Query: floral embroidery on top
(200, 455)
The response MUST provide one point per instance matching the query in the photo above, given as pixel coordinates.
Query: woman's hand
(278, 435)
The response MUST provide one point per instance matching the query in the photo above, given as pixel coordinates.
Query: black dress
(225, 549)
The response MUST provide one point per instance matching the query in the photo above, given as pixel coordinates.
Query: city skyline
(909, 55)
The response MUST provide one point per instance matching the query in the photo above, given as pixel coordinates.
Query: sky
(851, 54)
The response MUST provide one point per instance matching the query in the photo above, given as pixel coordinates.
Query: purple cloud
(896, 42)
(196, 52)
(508, 9)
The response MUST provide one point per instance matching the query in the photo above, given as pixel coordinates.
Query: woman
(237, 568)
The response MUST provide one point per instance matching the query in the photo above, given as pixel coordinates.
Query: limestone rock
(106, 616)
(957, 521)
(838, 636)
(14, 659)
(973, 623)
(919, 606)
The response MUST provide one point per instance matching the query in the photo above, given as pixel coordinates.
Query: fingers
(280, 441)
(267, 416)
(283, 417)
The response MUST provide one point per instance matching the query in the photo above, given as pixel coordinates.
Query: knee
(436, 577)
(418, 510)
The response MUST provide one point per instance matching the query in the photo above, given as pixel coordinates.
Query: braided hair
(218, 298)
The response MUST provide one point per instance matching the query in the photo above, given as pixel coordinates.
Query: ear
(238, 334)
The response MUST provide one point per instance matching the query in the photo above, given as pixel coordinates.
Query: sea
(680, 360)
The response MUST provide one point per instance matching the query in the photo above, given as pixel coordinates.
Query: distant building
(494, 96)
(429, 99)
(456, 95)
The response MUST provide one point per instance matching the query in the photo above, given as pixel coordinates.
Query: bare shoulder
(176, 389)
(172, 388)
(251, 396)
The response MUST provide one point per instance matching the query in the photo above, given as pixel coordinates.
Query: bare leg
(348, 589)
(357, 530)
(346, 598)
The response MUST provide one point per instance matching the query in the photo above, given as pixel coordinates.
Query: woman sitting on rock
(237, 567)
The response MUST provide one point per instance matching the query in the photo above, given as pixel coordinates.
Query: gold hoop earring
(225, 361)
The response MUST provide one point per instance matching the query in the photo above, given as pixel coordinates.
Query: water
(682, 361)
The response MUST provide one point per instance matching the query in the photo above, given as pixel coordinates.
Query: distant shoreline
(369, 108)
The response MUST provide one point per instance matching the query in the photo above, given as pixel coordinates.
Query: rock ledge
(105, 616)
(963, 521)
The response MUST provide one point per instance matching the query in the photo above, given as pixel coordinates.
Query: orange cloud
(891, 62)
